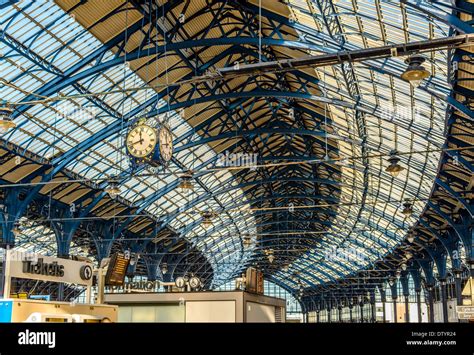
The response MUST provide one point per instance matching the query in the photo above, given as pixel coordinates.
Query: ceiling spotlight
(186, 182)
(410, 237)
(398, 273)
(285, 268)
(415, 73)
(407, 208)
(113, 189)
(404, 266)
(16, 230)
(207, 219)
(394, 168)
(408, 255)
(164, 268)
(6, 122)
(271, 258)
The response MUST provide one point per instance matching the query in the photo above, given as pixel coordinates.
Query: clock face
(180, 282)
(141, 141)
(194, 282)
(166, 144)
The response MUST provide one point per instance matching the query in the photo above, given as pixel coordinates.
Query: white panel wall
(452, 315)
(260, 313)
(210, 311)
(438, 312)
(151, 314)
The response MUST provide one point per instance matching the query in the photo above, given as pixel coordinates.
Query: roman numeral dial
(166, 144)
(141, 141)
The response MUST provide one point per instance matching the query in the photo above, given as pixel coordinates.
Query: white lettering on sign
(46, 268)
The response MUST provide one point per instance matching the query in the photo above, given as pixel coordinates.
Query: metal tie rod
(358, 55)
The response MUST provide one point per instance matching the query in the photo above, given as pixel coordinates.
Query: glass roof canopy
(58, 127)
(406, 119)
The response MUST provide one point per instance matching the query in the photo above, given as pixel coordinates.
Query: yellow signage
(468, 289)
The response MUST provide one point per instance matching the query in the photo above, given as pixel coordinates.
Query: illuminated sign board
(117, 270)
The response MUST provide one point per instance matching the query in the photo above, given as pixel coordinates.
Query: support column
(317, 316)
(394, 290)
(444, 299)
(374, 311)
(418, 304)
(429, 291)
(458, 286)
(458, 289)
(8, 212)
(407, 309)
(64, 232)
(416, 275)
(103, 247)
(395, 317)
(350, 314)
(152, 268)
(406, 295)
(383, 296)
(340, 314)
(361, 304)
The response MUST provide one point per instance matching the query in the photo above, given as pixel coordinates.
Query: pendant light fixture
(407, 208)
(415, 73)
(207, 219)
(16, 230)
(247, 241)
(6, 121)
(113, 189)
(269, 254)
(186, 182)
(164, 268)
(394, 168)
